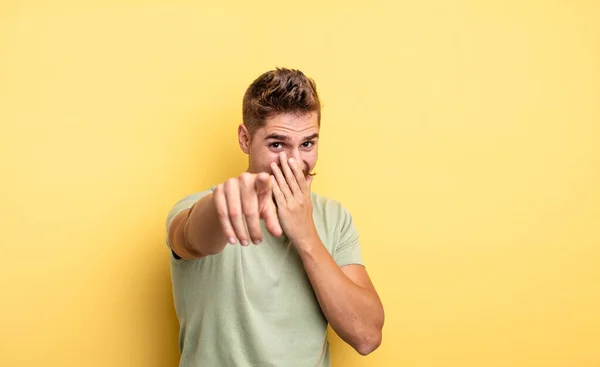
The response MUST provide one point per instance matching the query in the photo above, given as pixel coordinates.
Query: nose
(295, 153)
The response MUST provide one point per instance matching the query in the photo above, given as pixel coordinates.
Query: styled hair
(279, 91)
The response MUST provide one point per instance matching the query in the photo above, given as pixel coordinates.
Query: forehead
(294, 126)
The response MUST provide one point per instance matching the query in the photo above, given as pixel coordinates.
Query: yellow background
(464, 136)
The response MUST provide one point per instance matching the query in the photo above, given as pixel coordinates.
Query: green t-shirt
(255, 306)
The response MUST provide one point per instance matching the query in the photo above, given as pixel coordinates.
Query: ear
(244, 138)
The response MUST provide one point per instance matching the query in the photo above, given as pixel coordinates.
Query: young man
(259, 263)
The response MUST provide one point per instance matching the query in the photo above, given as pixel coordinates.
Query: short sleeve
(348, 250)
(180, 206)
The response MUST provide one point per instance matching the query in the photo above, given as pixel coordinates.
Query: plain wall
(463, 136)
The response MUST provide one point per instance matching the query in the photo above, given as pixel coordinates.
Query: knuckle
(230, 183)
(245, 179)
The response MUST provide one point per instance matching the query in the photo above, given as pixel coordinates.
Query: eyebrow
(286, 138)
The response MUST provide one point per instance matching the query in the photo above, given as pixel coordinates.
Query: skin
(276, 188)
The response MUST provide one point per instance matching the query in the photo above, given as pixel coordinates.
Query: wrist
(309, 241)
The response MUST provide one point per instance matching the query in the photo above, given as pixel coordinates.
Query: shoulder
(195, 196)
(329, 209)
(337, 230)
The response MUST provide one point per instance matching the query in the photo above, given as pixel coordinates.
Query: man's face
(297, 136)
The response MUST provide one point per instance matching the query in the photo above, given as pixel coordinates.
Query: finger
(266, 204)
(309, 181)
(280, 198)
(223, 213)
(299, 175)
(271, 218)
(280, 181)
(250, 207)
(234, 206)
(289, 175)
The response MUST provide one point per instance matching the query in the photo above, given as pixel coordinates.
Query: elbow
(371, 339)
(369, 343)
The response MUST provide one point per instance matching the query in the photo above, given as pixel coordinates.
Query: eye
(308, 144)
(276, 145)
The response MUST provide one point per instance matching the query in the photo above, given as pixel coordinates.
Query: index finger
(299, 174)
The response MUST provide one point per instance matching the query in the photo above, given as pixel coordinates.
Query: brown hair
(279, 91)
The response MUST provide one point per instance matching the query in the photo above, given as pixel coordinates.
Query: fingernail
(245, 243)
(291, 160)
(232, 240)
(257, 241)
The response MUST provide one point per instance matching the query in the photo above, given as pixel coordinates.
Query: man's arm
(346, 296)
(196, 232)
(230, 214)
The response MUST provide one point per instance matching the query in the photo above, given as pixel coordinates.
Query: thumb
(262, 185)
(272, 220)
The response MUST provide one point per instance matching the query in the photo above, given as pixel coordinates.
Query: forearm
(355, 313)
(196, 232)
(203, 230)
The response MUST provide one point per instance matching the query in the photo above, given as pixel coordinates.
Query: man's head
(281, 113)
